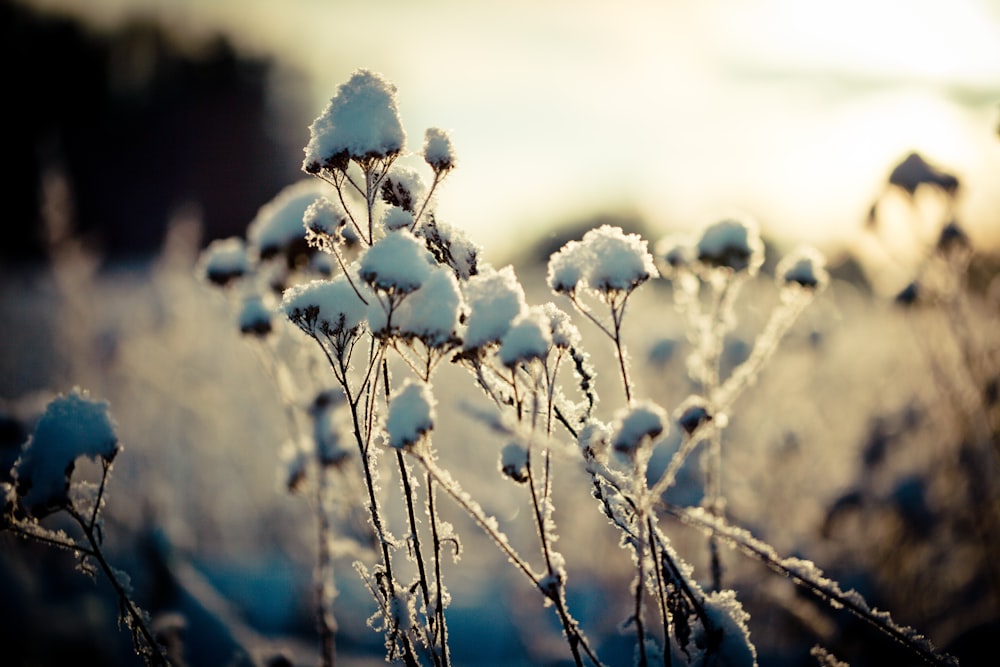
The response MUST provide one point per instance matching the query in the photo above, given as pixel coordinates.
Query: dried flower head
(803, 267)
(254, 316)
(514, 462)
(277, 228)
(331, 307)
(224, 261)
(438, 151)
(734, 244)
(606, 260)
(636, 426)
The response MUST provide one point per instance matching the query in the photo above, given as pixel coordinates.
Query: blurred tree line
(140, 124)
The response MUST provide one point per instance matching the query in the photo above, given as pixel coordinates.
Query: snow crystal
(803, 267)
(224, 260)
(529, 337)
(495, 299)
(411, 414)
(432, 312)
(398, 262)
(733, 243)
(361, 121)
(330, 306)
(397, 218)
(254, 317)
(438, 151)
(606, 260)
(634, 425)
(72, 426)
(278, 224)
(514, 462)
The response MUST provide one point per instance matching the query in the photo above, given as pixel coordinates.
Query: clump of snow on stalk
(438, 151)
(398, 262)
(606, 260)
(329, 306)
(72, 426)
(635, 426)
(692, 413)
(254, 316)
(361, 121)
(224, 260)
(450, 246)
(495, 299)
(675, 253)
(594, 438)
(729, 643)
(396, 217)
(734, 244)
(403, 187)
(278, 223)
(565, 334)
(432, 313)
(514, 462)
(324, 221)
(529, 337)
(804, 267)
(411, 415)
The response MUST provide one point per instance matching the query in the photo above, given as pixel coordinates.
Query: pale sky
(791, 111)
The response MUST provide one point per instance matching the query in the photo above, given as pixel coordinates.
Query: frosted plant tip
(438, 151)
(514, 462)
(411, 415)
(733, 244)
(803, 267)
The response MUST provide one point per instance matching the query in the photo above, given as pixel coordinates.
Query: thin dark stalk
(442, 626)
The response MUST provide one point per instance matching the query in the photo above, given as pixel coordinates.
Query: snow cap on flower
(734, 244)
(438, 151)
(804, 267)
(529, 337)
(514, 462)
(398, 262)
(674, 253)
(432, 313)
(277, 227)
(72, 426)
(565, 334)
(396, 217)
(914, 171)
(606, 260)
(327, 306)
(403, 187)
(692, 413)
(224, 260)
(411, 415)
(594, 438)
(495, 299)
(361, 121)
(254, 317)
(324, 221)
(636, 425)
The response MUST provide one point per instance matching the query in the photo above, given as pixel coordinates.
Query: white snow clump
(328, 306)
(514, 462)
(431, 314)
(398, 262)
(224, 260)
(438, 151)
(278, 223)
(72, 426)
(495, 299)
(529, 337)
(360, 122)
(734, 244)
(411, 415)
(606, 260)
(804, 267)
(634, 425)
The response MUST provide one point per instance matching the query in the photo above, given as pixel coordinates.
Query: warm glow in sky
(791, 111)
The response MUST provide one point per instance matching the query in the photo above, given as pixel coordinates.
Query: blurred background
(140, 130)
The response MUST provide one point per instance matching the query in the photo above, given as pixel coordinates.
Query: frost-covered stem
(661, 592)
(324, 576)
(488, 525)
(640, 586)
(813, 580)
(617, 315)
(404, 475)
(442, 626)
(18, 527)
(438, 177)
(105, 470)
(153, 653)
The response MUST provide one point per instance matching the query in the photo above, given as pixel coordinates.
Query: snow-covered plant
(73, 427)
(377, 287)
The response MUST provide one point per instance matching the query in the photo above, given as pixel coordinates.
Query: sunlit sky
(680, 112)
